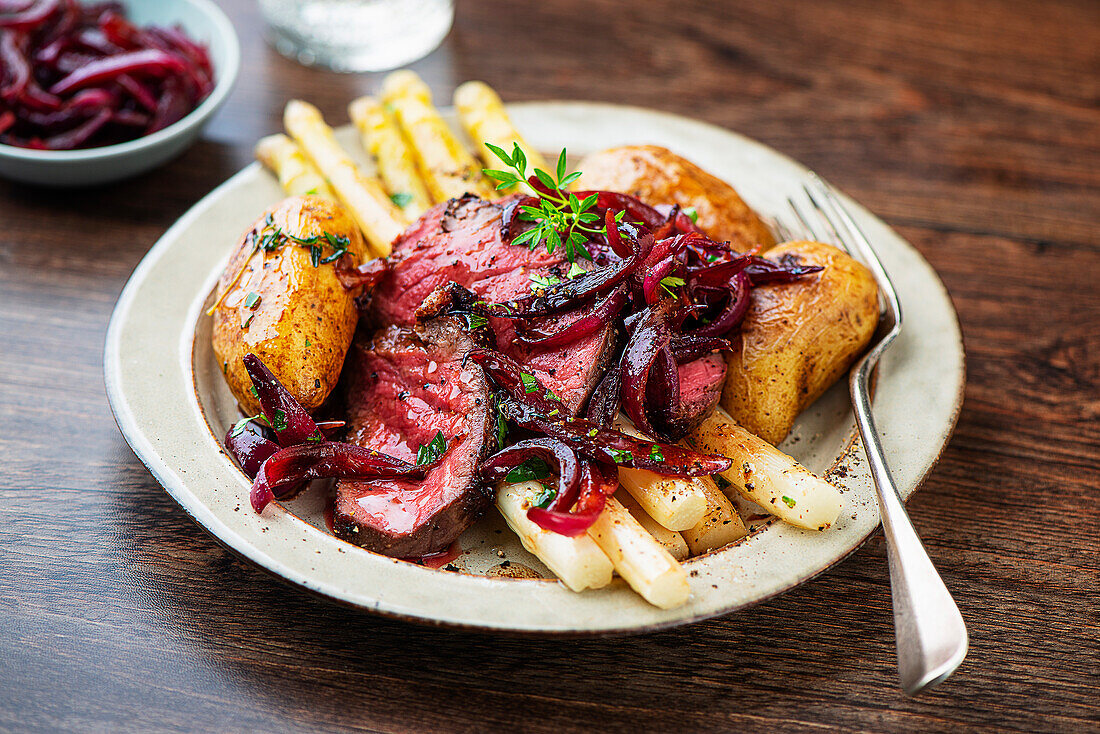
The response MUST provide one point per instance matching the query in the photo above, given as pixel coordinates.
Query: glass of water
(357, 35)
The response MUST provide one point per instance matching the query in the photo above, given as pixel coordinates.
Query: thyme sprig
(561, 219)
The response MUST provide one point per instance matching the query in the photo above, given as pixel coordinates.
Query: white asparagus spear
(640, 560)
(296, 174)
(767, 476)
(578, 562)
(361, 195)
(672, 541)
(482, 114)
(720, 526)
(382, 138)
(675, 502)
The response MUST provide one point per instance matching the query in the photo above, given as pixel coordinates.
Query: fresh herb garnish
(239, 426)
(545, 497)
(532, 470)
(530, 384)
(308, 342)
(655, 453)
(560, 219)
(278, 421)
(621, 457)
(671, 282)
(255, 392)
(542, 281)
(574, 270)
(251, 300)
(248, 321)
(401, 199)
(475, 320)
(788, 501)
(692, 214)
(430, 452)
(271, 237)
(502, 427)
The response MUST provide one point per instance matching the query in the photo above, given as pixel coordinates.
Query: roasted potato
(798, 338)
(277, 304)
(656, 175)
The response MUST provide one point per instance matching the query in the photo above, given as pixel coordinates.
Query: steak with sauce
(461, 242)
(701, 382)
(405, 386)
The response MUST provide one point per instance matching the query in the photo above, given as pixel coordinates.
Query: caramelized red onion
(650, 337)
(290, 421)
(250, 446)
(603, 312)
(290, 468)
(598, 482)
(613, 447)
(568, 469)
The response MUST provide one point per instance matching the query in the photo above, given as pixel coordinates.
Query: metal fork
(930, 632)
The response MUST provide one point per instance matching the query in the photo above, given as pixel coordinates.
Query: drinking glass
(357, 35)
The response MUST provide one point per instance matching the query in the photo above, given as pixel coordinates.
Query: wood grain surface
(971, 127)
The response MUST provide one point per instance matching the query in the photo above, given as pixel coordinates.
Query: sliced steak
(460, 242)
(405, 386)
(701, 382)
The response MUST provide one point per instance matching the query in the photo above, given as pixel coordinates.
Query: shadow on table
(283, 648)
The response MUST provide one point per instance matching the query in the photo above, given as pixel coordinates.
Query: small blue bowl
(204, 22)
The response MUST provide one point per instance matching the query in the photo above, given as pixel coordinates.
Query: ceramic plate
(172, 405)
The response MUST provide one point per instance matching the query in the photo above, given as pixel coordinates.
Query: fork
(930, 632)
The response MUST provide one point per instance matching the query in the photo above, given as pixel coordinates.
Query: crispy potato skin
(798, 338)
(304, 321)
(656, 175)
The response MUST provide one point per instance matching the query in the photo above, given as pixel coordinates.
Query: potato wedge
(383, 140)
(798, 338)
(767, 476)
(482, 114)
(370, 206)
(296, 173)
(295, 316)
(656, 175)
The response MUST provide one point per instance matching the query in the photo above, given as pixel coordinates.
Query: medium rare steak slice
(460, 242)
(701, 382)
(406, 386)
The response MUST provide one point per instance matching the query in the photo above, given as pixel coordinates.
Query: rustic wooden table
(970, 127)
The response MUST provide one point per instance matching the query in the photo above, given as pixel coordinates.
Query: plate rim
(176, 488)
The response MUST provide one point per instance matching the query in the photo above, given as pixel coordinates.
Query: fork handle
(930, 632)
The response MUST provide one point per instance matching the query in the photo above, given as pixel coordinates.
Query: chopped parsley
(621, 457)
(574, 270)
(545, 497)
(502, 427)
(308, 342)
(475, 320)
(278, 421)
(255, 392)
(401, 199)
(542, 281)
(671, 282)
(692, 214)
(655, 453)
(530, 384)
(431, 452)
(532, 470)
(788, 501)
